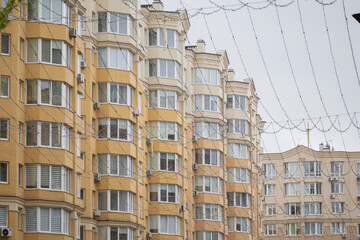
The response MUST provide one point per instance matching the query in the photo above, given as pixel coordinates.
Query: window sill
(4, 182)
(5, 54)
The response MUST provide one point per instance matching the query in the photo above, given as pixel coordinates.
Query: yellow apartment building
(311, 194)
(111, 128)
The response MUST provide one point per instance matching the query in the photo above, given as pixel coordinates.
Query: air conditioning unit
(80, 78)
(343, 235)
(332, 196)
(96, 105)
(136, 112)
(73, 32)
(149, 235)
(196, 193)
(97, 213)
(194, 139)
(331, 179)
(149, 173)
(97, 177)
(182, 208)
(195, 166)
(6, 232)
(83, 64)
(148, 141)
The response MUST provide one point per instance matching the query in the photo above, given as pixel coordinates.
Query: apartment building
(113, 129)
(311, 194)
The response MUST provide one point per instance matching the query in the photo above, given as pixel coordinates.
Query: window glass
(4, 86)
(5, 44)
(4, 129)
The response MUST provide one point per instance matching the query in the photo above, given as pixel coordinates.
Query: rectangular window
(208, 157)
(140, 208)
(116, 201)
(164, 162)
(169, 193)
(54, 11)
(292, 189)
(20, 174)
(140, 172)
(207, 103)
(337, 228)
(269, 171)
(115, 129)
(115, 93)
(312, 188)
(237, 102)
(3, 172)
(165, 224)
(164, 99)
(312, 169)
(337, 207)
(236, 150)
(237, 199)
(21, 48)
(207, 76)
(270, 229)
(239, 224)
(270, 210)
(313, 208)
(164, 68)
(164, 131)
(157, 36)
(78, 185)
(5, 44)
(4, 129)
(292, 229)
(116, 58)
(238, 126)
(208, 212)
(3, 216)
(21, 85)
(337, 169)
(4, 86)
(115, 23)
(292, 170)
(208, 184)
(337, 188)
(293, 209)
(116, 165)
(313, 228)
(358, 169)
(269, 190)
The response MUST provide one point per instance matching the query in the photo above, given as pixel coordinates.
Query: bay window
(164, 68)
(116, 93)
(292, 209)
(292, 229)
(292, 189)
(238, 199)
(237, 102)
(116, 165)
(50, 93)
(164, 99)
(164, 162)
(240, 175)
(53, 11)
(313, 208)
(47, 220)
(115, 233)
(47, 177)
(238, 126)
(156, 38)
(116, 201)
(168, 193)
(207, 76)
(292, 170)
(207, 103)
(208, 212)
(207, 130)
(208, 184)
(118, 23)
(165, 224)
(209, 157)
(49, 51)
(115, 129)
(312, 169)
(164, 131)
(236, 150)
(116, 58)
(313, 228)
(47, 134)
(202, 235)
(239, 224)
(313, 188)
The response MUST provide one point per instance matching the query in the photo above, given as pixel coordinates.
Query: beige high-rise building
(311, 194)
(112, 129)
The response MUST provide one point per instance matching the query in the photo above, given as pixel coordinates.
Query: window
(20, 174)
(313, 228)
(270, 171)
(238, 199)
(238, 224)
(115, 233)
(208, 157)
(78, 185)
(358, 190)
(47, 177)
(78, 145)
(4, 86)
(292, 209)
(78, 104)
(164, 99)
(238, 151)
(270, 229)
(140, 208)
(164, 68)
(54, 11)
(337, 228)
(93, 18)
(337, 207)
(165, 224)
(115, 93)
(207, 130)
(116, 58)
(337, 169)
(50, 93)
(270, 210)
(269, 190)
(115, 23)
(207, 103)
(21, 48)
(358, 169)
(116, 201)
(312, 169)
(240, 175)
(337, 188)
(202, 235)
(292, 229)
(3, 216)
(48, 51)
(292, 170)
(3, 172)
(237, 102)
(4, 129)
(140, 172)
(47, 220)
(164, 162)
(169, 193)
(208, 184)
(115, 129)
(46, 134)
(164, 131)
(19, 218)
(238, 126)
(116, 165)
(292, 189)
(313, 208)
(21, 85)
(5, 44)
(207, 76)
(208, 212)
(157, 35)
(313, 188)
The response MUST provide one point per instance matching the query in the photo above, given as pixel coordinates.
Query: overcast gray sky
(276, 87)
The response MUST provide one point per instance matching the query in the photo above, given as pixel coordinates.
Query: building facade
(312, 194)
(112, 128)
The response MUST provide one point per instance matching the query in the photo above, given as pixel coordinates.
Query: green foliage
(4, 13)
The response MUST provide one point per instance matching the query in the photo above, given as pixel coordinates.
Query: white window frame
(269, 171)
(292, 169)
(157, 218)
(238, 175)
(312, 208)
(236, 102)
(65, 13)
(9, 41)
(2, 123)
(292, 189)
(104, 232)
(160, 38)
(129, 101)
(160, 187)
(168, 126)
(7, 79)
(155, 158)
(215, 212)
(233, 197)
(129, 203)
(129, 163)
(337, 188)
(214, 103)
(337, 228)
(206, 76)
(159, 94)
(312, 188)
(337, 207)
(211, 180)
(4, 211)
(236, 150)
(120, 55)
(289, 227)
(129, 129)
(238, 126)
(312, 169)
(207, 130)
(313, 226)
(270, 209)
(207, 235)
(212, 154)
(119, 18)
(157, 63)
(234, 222)
(269, 189)
(337, 169)
(270, 230)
